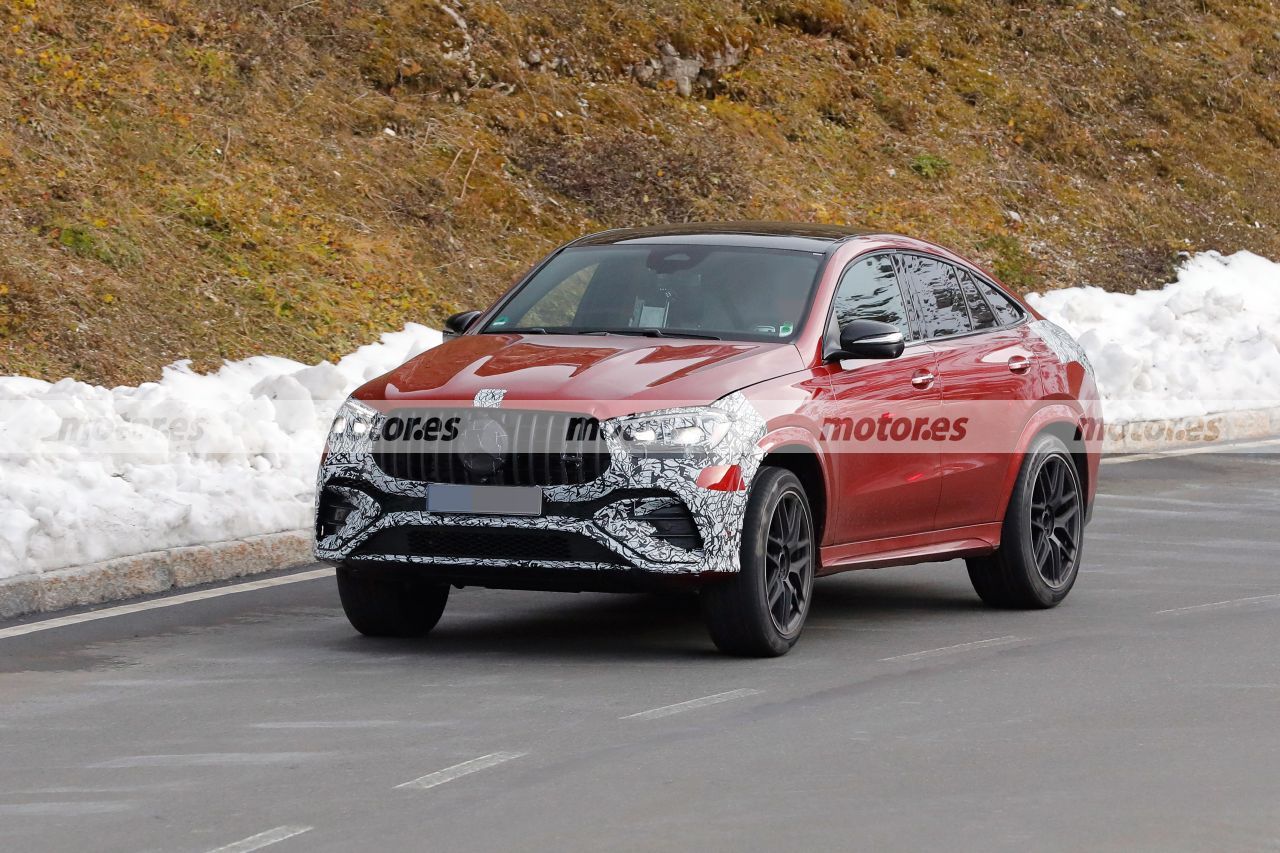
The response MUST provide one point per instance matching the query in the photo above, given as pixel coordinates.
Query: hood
(605, 376)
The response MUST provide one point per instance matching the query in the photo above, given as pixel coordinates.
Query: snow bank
(90, 473)
(1208, 342)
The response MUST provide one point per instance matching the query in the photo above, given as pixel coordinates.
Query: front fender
(792, 436)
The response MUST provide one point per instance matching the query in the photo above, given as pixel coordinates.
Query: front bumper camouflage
(644, 513)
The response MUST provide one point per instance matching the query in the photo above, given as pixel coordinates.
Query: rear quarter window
(1007, 311)
(982, 313)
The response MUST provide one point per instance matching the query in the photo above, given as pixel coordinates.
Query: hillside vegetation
(218, 178)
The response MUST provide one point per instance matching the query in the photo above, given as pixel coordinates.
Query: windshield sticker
(653, 316)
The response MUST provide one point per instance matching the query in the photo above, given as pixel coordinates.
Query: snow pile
(1208, 342)
(90, 473)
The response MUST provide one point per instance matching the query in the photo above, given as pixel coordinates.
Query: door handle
(922, 378)
(1019, 364)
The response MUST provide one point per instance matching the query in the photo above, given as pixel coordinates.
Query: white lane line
(962, 647)
(681, 707)
(1235, 602)
(457, 771)
(208, 759)
(263, 839)
(156, 603)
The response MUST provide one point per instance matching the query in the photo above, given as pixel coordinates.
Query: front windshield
(726, 292)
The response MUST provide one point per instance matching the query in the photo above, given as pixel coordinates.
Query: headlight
(687, 432)
(353, 422)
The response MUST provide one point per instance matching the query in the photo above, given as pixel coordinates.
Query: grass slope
(217, 178)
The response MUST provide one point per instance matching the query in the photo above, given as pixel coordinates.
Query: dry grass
(216, 178)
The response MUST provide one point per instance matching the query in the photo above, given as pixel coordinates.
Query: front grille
(539, 448)
(489, 543)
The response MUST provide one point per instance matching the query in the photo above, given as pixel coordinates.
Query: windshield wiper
(529, 330)
(649, 332)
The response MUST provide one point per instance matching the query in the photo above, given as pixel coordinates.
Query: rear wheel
(379, 605)
(760, 611)
(1042, 537)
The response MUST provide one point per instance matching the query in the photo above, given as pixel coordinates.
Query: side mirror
(459, 323)
(870, 339)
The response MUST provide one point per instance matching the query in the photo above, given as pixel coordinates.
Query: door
(887, 482)
(987, 381)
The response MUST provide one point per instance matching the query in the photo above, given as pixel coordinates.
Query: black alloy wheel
(760, 610)
(1042, 536)
(789, 563)
(1055, 521)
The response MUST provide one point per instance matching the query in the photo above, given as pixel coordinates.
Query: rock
(680, 71)
(644, 72)
(726, 59)
(534, 58)
(686, 74)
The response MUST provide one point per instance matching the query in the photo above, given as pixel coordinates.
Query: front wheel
(760, 611)
(382, 605)
(1042, 537)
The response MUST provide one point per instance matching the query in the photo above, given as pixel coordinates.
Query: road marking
(681, 707)
(457, 771)
(331, 724)
(156, 603)
(78, 808)
(1235, 602)
(208, 759)
(962, 647)
(263, 839)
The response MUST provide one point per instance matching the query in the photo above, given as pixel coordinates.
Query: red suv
(732, 408)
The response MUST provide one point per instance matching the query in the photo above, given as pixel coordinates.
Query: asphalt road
(1142, 714)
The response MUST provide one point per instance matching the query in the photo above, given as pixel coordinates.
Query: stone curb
(153, 572)
(176, 568)
(1199, 431)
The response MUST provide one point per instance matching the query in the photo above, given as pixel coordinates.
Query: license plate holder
(484, 500)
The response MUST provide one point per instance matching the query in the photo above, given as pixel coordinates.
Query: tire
(383, 606)
(738, 611)
(1032, 569)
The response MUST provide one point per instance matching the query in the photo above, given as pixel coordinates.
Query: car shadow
(589, 626)
(582, 626)
(878, 596)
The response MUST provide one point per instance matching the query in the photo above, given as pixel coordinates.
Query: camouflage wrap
(718, 515)
(1065, 347)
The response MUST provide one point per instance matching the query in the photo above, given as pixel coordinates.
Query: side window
(869, 291)
(1007, 312)
(979, 311)
(936, 291)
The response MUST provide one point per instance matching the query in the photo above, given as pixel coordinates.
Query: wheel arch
(803, 460)
(1060, 421)
(1073, 437)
